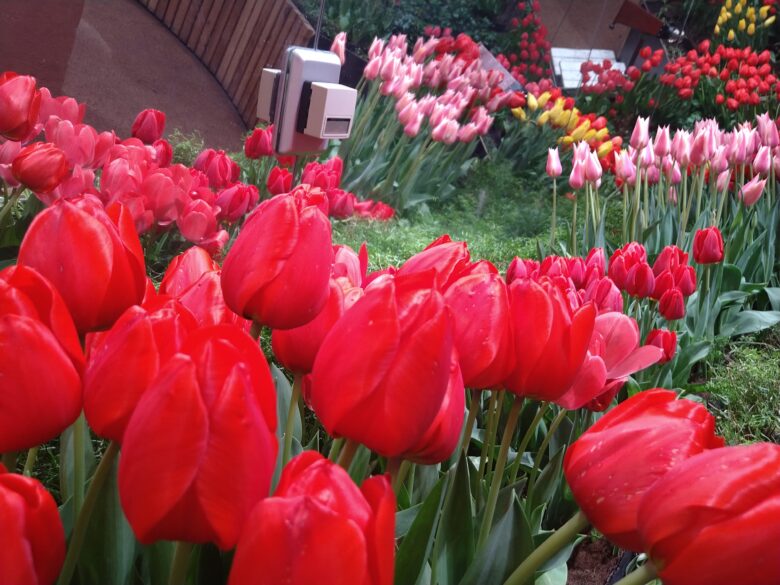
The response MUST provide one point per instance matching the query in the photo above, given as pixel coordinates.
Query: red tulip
(666, 340)
(613, 464)
(259, 143)
(33, 538)
(623, 259)
(220, 169)
(715, 518)
(340, 534)
(297, 348)
(482, 329)
(91, 255)
(447, 258)
(123, 361)
(148, 126)
(640, 281)
(40, 167)
(341, 204)
(20, 103)
(235, 201)
(672, 305)
(326, 175)
(613, 355)
(708, 246)
(395, 339)
(551, 340)
(277, 270)
(213, 404)
(279, 181)
(670, 258)
(40, 361)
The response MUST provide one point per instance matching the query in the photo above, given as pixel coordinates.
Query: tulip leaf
(109, 548)
(283, 396)
(750, 322)
(548, 480)
(731, 279)
(454, 547)
(773, 293)
(559, 558)
(556, 576)
(509, 543)
(404, 520)
(416, 545)
(358, 469)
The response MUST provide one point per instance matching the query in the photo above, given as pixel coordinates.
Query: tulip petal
(639, 359)
(587, 385)
(380, 536)
(164, 443)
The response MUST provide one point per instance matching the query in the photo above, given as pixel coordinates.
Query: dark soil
(592, 563)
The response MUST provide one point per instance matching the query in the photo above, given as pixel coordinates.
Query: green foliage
(744, 390)
(186, 146)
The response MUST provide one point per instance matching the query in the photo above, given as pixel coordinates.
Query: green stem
(574, 227)
(554, 219)
(79, 439)
(10, 202)
(398, 473)
(82, 521)
(335, 447)
(348, 453)
(293, 408)
(543, 448)
(642, 575)
(495, 485)
(181, 563)
(29, 463)
(523, 575)
(256, 330)
(494, 433)
(473, 408)
(625, 212)
(489, 431)
(543, 408)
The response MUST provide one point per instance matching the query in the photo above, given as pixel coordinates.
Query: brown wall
(583, 24)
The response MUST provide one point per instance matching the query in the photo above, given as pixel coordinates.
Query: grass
(744, 389)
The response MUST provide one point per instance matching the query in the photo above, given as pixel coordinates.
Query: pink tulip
(681, 147)
(624, 167)
(752, 191)
(577, 176)
(641, 134)
(446, 132)
(8, 151)
(592, 168)
(763, 161)
(767, 130)
(413, 127)
(372, 68)
(468, 132)
(723, 180)
(554, 168)
(339, 46)
(149, 125)
(376, 48)
(663, 142)
(613, 355)
(63, 107)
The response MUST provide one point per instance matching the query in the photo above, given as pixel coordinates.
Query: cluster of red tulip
(529, 55)
(608, 80)
(744, 77)
(655, 460)
(326, 176)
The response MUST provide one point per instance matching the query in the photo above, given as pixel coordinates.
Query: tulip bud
(663, 142)
(40, 361)
(339, 46)
(448, 260)
(751, 191)
(660, 432)
(260, 143)
(20, 103)
(322, 499)
(101, 246)
(577, 176)
(640, 280)
(149, 126)
(708, 246)
(33, 536)
(282, 241)
(672, 305)
(641, 133)
(220, 169)
(763, 161)
(40, 167)
(721, 492)
(214, 404)
(666, 340)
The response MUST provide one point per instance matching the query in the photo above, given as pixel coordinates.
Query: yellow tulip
(751, 30)
(770, 21)
(543, 119)
(532, 103)
(604, 149)
(589, 135)
(731, 34)
(742, 24)
(519, 113)
(543, 99)
(751, 14)
(574, 119)
(579, 132)
(566, 140)
(602, 134)
(763, 12)
(727, 5)
(717, 29)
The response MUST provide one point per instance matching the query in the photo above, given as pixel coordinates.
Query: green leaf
(415, 547)
(283, 396)
(509, 543)
(156, 562)
(404, 520)
(557, 576)
(454, 548)
(750, 322)
(109, 546)
(548, 480)
(773, 293)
